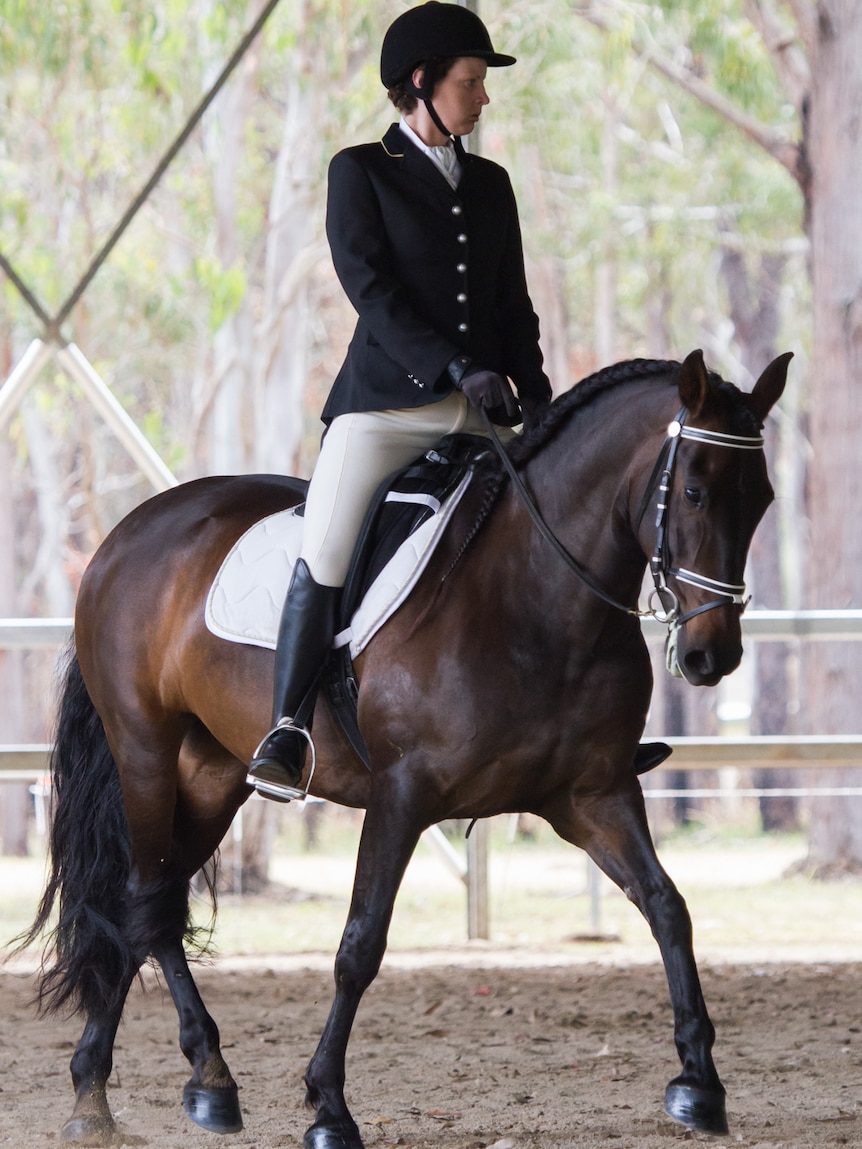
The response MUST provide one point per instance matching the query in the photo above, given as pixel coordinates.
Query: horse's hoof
(343, 1135)
(700, 1109)
(214, 1109)
(95, 1132)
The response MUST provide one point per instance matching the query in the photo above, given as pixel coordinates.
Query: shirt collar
(444, 157)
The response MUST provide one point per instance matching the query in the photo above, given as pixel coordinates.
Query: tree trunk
(283, 335)
(247, 847)
(756, 319)
(833, 142)
(605, 317)
(231, 437)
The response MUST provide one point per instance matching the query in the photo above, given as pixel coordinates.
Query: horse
(509, 680)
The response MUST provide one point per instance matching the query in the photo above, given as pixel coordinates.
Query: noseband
(663, 603)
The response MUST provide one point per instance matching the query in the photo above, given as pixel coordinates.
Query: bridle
(663, 603)
(668, 609)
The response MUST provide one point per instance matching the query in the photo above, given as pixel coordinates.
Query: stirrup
(280, 791)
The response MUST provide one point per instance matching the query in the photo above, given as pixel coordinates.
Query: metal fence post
(478, 922)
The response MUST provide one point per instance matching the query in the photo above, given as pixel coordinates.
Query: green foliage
(682, 175)
(93, 92)
(225, 286)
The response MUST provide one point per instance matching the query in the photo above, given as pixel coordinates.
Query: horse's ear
(768, 388)
(693, 383)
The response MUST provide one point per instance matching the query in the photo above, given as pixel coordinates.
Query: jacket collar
(399, 147)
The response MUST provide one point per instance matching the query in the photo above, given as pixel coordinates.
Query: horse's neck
(583, 478)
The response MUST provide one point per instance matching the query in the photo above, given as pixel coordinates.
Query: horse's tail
(88, 961)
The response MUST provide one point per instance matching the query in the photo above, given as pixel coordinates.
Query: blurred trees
(673, 167)
(706, 48)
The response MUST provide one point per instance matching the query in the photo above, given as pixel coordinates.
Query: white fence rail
(778, 625)
(25, 763)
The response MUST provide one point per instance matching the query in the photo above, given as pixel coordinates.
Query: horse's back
(142, 598)
(174, 517)
(196, 522)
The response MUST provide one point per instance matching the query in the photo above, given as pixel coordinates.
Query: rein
(667, 609)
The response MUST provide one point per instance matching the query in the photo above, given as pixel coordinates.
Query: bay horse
(508, 681)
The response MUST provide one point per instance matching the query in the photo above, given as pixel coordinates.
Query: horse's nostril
(705, 666)
(699, 663)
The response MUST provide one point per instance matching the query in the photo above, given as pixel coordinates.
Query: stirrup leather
(277, 790)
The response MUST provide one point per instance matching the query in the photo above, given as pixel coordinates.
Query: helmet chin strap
(425, 96)
(435, 116)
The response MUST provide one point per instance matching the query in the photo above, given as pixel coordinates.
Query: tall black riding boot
(305, 634)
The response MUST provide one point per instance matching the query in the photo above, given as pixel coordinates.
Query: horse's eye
(694, 496)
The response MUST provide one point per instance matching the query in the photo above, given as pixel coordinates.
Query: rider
(426, 242)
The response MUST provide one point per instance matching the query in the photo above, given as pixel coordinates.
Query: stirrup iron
(278, 790)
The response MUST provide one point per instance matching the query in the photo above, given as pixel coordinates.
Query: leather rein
(663, 603)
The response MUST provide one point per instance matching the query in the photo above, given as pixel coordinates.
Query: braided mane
(561, 410)
(524, 447)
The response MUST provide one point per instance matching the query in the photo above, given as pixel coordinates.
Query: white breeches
(359, 450)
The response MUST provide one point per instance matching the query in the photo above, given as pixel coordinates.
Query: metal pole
(593, 886)
(30, 633)
(478, 918)
(236, 837)
(471, 142)
(23, 374)
(447, 853)
(162, 166)
(103, 399)
(473, 873)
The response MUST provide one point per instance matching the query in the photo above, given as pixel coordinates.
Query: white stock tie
(446, 159)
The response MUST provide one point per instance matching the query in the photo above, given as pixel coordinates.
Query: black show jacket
(432, 272)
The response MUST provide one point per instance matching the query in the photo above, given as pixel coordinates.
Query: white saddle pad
(245, 600)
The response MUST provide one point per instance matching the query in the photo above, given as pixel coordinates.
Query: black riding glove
(490, 390)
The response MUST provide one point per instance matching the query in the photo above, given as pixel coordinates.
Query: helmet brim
(492, 59)
(495, 59)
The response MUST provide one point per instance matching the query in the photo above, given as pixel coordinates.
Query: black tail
(88, 962)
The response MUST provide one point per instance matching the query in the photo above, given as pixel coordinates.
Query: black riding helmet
(434, 30)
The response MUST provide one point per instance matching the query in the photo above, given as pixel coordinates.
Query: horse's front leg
(614, 832)
(388, 840)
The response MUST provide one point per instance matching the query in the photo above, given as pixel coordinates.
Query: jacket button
(462, 267)
(457, 209)
(463, 327)
(461, 297)
(462, 238)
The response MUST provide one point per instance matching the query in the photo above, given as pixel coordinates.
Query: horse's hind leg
(172, 835)
(91, 1122)
(614, 832)
(157, 911)
(388, 840)
(210, 1096)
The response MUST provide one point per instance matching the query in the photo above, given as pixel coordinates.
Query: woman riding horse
(426, 243)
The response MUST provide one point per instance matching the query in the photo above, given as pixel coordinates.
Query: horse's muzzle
(702, 659)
